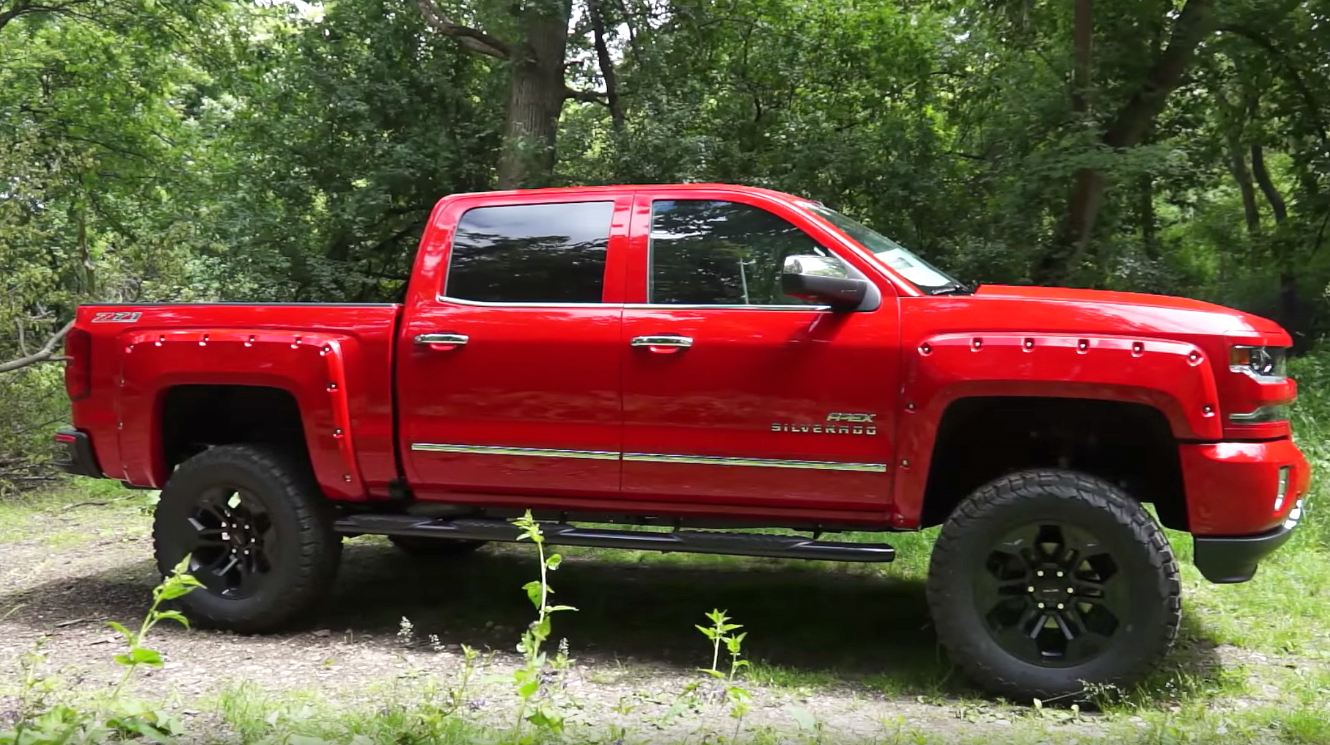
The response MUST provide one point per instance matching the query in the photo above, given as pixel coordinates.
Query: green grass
(814, 629)
(31, 515)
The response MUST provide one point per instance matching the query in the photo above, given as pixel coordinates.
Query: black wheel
(1045, 580)
(435, 547)
(259, 535)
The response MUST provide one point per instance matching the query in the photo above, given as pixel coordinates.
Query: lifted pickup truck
(710, 358)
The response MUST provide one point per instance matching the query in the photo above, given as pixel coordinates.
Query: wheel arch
(1164, 387)
(288, 389)
(981, 438)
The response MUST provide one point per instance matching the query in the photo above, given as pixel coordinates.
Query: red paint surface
(302, 349)
(1231, 486)
(565, 378)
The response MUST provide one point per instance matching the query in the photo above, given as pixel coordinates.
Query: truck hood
(1070, 310)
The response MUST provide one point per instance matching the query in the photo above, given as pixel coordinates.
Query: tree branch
(24, 8)
(1308, 98)
(1268, 188)
(585, 96)
(471, 39)
(1133, 119)
(45, 354)
(1128, 127)
(606, 65)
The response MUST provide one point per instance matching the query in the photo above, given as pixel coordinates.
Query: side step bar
(561, 534)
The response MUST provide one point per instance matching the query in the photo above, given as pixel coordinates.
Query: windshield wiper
(955, 288)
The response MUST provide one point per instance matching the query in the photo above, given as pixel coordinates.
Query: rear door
(735, 393)
(509, 369)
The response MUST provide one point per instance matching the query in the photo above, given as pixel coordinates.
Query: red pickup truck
(710, 359)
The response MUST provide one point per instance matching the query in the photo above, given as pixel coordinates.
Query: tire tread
(1006, 492)
(320, 546)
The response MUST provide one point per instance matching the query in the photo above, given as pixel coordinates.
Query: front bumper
(1235, 559)
(75, 454)
(1235, 510)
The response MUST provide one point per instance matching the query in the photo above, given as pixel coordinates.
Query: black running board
(561, 534)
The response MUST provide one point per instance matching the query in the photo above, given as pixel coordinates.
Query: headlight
(1260, 362)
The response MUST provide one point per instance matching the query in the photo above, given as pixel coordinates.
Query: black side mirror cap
(822, 280)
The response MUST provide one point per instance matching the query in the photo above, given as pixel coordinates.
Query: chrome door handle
(442, 341)
(664, 340)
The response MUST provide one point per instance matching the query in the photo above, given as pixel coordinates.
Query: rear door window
(531, 253)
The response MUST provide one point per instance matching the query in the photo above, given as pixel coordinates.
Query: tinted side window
(721, 253)
(531, 253)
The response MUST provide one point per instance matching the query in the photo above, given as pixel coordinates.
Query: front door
(509, 376)
(735, 393)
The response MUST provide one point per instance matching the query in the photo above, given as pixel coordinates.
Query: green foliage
(721, 634)
(38, 720)
(178, 584)
(532, 681)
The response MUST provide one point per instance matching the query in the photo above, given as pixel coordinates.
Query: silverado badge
(837, 423)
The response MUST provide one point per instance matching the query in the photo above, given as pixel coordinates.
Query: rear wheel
(435, 547)
(1045, 580)
(258, 532)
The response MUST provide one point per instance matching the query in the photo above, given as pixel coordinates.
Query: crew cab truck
(710, 358)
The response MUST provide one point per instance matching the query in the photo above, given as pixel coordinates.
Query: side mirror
(822, 280)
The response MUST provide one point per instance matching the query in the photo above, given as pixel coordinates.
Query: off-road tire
(439, 548)
(304, 553)
(965, 548)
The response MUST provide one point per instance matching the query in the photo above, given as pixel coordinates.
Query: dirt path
(633, 637)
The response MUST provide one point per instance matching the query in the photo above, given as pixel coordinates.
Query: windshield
(925, 276)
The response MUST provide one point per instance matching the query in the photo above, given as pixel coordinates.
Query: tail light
(78, 366)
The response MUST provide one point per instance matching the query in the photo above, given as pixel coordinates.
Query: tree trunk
(606, 64)
(1149, 236)
(535, 98)
(1272, 195)
(1082, 47)
(87, 271)
(1290, 304)
(1237, 163)
(1126, 130)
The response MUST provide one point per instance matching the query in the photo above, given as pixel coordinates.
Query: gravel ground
(633, 638)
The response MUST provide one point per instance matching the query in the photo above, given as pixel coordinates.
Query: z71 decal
(121, 317)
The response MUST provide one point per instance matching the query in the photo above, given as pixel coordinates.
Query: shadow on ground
(802, 620)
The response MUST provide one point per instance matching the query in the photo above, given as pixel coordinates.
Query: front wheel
(258, 532)
(1045, 580)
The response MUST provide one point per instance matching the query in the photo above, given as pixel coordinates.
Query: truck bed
(334, 360)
